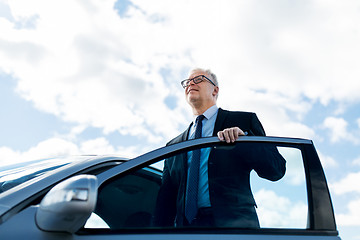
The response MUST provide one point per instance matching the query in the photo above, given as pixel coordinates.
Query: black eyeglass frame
(196, 80)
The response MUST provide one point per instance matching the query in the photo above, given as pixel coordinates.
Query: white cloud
(101, 146)
(294, 166)
(46, 149)
(327, 161)
(279, 115)
(57, 147)
(356, 161)
(89, 71)
(278, 211)
(337, 129)
(352, 218)
(85, 64)
(97, 146)
(347, 184)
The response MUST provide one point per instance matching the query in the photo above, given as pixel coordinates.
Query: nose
(191, 82)
(188, 87)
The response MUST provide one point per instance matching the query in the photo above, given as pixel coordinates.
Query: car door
(295, 206)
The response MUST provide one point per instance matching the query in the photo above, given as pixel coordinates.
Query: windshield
(13, 175)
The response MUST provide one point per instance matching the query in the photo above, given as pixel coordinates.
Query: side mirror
(68, 205)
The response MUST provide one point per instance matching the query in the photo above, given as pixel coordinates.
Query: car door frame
(321, 220)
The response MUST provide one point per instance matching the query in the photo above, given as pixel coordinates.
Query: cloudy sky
(100, 77)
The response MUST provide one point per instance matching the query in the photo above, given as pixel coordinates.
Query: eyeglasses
(196, 80)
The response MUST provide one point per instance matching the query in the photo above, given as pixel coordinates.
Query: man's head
(201, 89)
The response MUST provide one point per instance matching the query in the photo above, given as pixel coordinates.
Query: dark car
(107, 197)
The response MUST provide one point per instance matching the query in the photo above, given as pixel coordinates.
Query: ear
(216, 91)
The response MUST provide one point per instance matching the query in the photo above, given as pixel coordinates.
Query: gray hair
(208, 72)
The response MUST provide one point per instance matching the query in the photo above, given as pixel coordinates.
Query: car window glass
(96, 222)
(283, 204)
(249, 188)
(129, 200)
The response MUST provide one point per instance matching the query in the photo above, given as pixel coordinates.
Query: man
(222, 194)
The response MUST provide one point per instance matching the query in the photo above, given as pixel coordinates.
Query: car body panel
(19, 228)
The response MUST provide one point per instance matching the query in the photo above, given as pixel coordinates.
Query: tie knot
(199, 118)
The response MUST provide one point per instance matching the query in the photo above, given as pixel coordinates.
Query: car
(109, 197)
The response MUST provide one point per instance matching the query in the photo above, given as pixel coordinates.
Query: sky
(103, 77)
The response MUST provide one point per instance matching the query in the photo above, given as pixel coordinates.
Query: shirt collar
(210, 112)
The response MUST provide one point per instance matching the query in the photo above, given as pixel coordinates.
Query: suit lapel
(185, 135)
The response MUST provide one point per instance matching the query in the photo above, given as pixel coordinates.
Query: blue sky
(103, 77)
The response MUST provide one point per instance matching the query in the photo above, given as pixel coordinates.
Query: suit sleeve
(256, 126)
(270, 164)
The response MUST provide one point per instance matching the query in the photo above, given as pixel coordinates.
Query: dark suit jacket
(229, 187)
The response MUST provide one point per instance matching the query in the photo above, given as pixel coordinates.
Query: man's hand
(230, 134)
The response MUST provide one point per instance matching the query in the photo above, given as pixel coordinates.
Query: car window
(129, 201)
(283, 204)
(250, 185)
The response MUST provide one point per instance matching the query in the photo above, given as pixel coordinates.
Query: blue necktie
(191, 207)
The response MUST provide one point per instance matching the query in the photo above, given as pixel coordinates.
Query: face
(203, 93)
